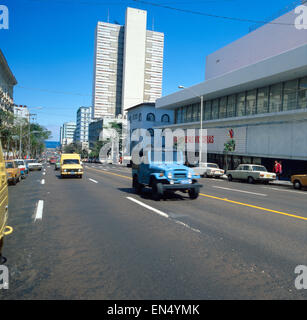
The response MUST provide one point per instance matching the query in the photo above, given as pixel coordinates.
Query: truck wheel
(136, 185)
(193, 193)
(156, 191)
(229, 177)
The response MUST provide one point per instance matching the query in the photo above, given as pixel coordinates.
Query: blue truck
(167, 174)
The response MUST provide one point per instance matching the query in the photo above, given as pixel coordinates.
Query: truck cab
(164, 171)
(71, 165)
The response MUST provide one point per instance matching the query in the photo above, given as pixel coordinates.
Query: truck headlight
(190, 175)
(170, 175)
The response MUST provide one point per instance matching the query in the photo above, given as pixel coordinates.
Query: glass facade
(284, 96)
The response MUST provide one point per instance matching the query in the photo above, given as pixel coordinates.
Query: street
(93, 238)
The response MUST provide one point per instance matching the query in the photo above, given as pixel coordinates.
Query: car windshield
(71, 161)
(9, 165)
(259, 168)
(212, 165)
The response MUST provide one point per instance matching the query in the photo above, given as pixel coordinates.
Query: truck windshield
(9, 165)
(71, 161)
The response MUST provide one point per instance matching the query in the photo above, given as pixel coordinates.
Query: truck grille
(179, 175)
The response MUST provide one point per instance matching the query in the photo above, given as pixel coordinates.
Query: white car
(209, 170)
(34, 165)
(251, 173)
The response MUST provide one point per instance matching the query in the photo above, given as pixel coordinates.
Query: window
(150, 117)
(207, 113)
(231, 106)
(241, 104)
(275, 98)
(140, 117)
(251, 102)
(165, 118)
(189, 113)
(215, 109)
(223, 108)
(196, 112)
(151, 132)
(302, 93)
(263, 100)
(290, 95)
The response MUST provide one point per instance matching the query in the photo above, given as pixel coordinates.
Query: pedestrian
(277, 169)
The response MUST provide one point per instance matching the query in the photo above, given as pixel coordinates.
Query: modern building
(128, 65)
(94, 132)
(147, 116)
(255, 95)
(21, 112)
(83, 121)
(67, 133)
(7, 83)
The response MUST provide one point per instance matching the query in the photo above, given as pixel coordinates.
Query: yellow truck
(4, 228)
(71, 165)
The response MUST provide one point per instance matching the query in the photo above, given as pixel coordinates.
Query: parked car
(251, 173)
(22, 167)
(299, 181)
(209, 170)
(4, 228)
(163, 175)
(34, 165)
(13, 173)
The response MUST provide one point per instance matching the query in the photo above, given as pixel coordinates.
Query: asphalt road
(93, 238)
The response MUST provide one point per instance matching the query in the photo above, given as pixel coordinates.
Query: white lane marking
(277, 189)
(93, 180)
(39, 210)
(243, 191)
(163, 214)
(43, 181)
(44, 173)
(187, 226)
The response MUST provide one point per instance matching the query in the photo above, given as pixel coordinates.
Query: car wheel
(297, 185)
(250, 180)
(193, 193)
(229, 177)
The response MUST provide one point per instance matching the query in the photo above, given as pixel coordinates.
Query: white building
(7, 83)
(147, 116)
(83, 121)
(128, 65)
(67, 133)
(22, 112)
(256, 95)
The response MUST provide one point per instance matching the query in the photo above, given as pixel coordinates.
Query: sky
(49, 45)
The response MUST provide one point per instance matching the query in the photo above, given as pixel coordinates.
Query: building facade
(67, 133)
(128, 65)
(7, 83)
(94, 132)
(22, 112)
(83, 121)
(260, 106)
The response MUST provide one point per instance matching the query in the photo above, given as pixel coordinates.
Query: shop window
(215, 109)
(223, 108)
(241, 104)
(231, 106)
(290, 95)
(302, 93)
(251, 102)
(263, 100)
(207, 113)
(275, 98)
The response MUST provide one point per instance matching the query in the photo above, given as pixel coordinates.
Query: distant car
(34, 165)
(57, 164)
(209, 170)
(13, 173)
(299, 181)
(251, 173)
(22, 167)
(52, 160)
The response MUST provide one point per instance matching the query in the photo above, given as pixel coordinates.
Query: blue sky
(50, 45)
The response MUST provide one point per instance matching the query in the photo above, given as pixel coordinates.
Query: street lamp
(201, 121)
